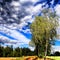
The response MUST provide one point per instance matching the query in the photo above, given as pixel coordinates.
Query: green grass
(20, 58)
(55, 57)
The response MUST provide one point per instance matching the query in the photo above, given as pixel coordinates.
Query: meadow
(55, 57)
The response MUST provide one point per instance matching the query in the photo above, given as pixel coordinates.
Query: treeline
(8, 51)
(57, 53)
(17, 52)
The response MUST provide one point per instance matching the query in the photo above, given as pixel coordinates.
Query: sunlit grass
(20, 58)
(54, 57)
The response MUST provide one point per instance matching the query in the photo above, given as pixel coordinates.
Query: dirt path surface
(3, 58)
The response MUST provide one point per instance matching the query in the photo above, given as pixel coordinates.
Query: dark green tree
(8, 51)
(57, 53)
(1, 51)
(26, 51)
(18, 52)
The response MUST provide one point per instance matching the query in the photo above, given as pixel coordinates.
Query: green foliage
(43, 32)
(1, 51)
(57, 53)
(8, 51)
(17, 52)
(27, 52)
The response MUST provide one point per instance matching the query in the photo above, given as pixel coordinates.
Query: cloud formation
(17, 15)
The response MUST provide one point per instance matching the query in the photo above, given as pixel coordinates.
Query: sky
(17, 15)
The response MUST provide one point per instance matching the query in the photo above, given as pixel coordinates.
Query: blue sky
(14, 26)
(57, 43)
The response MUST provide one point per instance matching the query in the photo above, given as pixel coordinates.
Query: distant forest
(8, 51)
(18, 52)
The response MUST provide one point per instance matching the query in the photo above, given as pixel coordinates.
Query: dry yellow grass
(7, 58)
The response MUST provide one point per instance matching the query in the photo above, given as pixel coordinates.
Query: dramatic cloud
(17, 15)
(15, 18)
(13, 35)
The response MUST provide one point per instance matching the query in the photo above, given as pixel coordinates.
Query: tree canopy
(43, 31)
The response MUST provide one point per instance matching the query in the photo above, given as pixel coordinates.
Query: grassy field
(31, 58)
(55, 57)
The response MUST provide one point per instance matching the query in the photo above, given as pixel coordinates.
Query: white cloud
(23, 1)
(55, 48)
(34, 1)
(37, 9)
(58, 30)
(4, 40)
(27, 31)
(20, 38)
(24, 11)
(31, 48)
(57, 9)
(15, 3)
